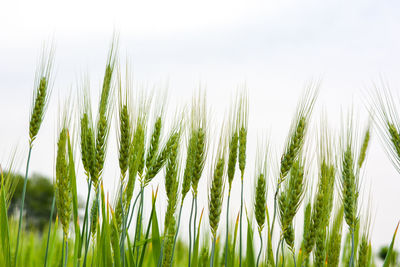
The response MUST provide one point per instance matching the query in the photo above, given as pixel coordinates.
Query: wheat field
(318, 180)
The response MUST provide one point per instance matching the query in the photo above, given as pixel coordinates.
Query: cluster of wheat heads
(122, 232)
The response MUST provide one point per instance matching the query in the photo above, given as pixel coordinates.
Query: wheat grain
(124, 140)
(154, 143)
(363, 257)
(260, 201)
(188, 173)
(335, 239)
(63, 184)
(41, 94)
(289, 201)
(364, 148)
(215, 195)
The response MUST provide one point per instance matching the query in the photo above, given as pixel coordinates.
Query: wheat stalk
(350, 180)
(40, 98)
(171, 188)
(216, 189)
(232, 160)
(63, 190)
(295, 139)
(198, 129)
(317, 219)
(99, 137)
(260, 207)
(260, 197)
(87, 141)
(243, 125)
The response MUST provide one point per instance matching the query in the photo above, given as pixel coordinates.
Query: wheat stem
(294, 258)
(85, 223)
(91, 265)
(139, 224)
(66, 252)
(275, 205)
(62, 253)
(161, 253)
(49, 231)
(283, 254)
(122, 247)
(148, 231)
(137, 217)
(194, 221)
(351, 263)
(22, 203)
(261, 245)
(133, 209)
(190, 232)
(176, 234)
(87, 232)
(227, 229)
(277, 250)
(240, 221)
(212, 252)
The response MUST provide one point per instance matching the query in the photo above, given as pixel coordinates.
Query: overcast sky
(274, 47)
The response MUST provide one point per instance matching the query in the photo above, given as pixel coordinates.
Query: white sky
(275, 47)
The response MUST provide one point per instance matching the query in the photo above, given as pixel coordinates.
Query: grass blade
(196, 244)
(250, 259)
(72, 175)
(231, 256)
(115, 241)
(4, 230)
(130, 260)
(154, 198)
(390, 250)
(155, 239)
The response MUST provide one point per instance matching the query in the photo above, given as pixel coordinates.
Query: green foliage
(383, 251)
(39, 195)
